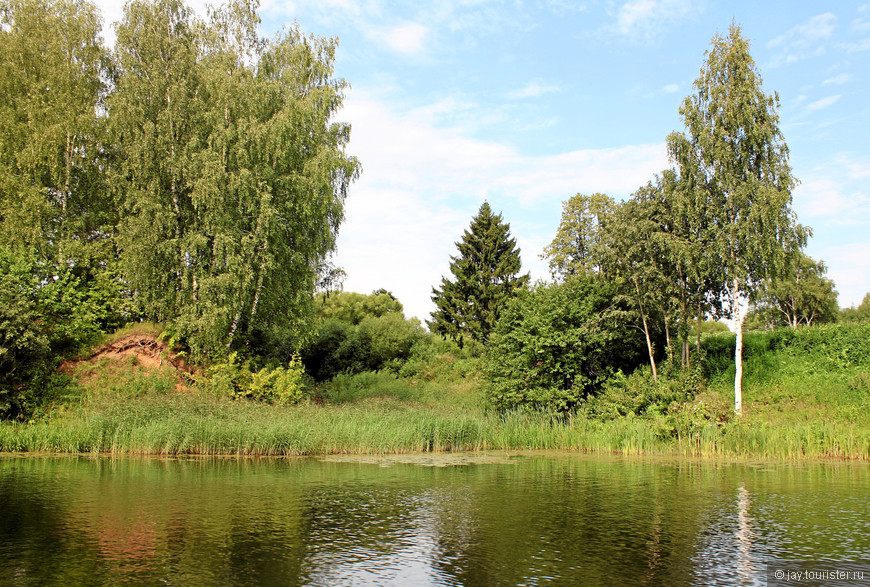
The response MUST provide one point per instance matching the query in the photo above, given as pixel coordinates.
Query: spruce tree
(485, 277)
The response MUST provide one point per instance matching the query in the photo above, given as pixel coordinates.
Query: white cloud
(863, 45)
(820, 195)
(823, 103)
(671, 89)
(408, 39)
(644, 19)
(849, 267)
(862, 22)
(834, 199)
(803, 40)
(532, 90)
(422, 183)
(837, 80)
(836, 192)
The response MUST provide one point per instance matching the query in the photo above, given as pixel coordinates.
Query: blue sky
(527, 103)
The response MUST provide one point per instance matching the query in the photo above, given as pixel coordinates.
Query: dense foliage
(557, 344)
(231, 174)
(485, 277)
(359, 332)
(192, 175)
(803, 296)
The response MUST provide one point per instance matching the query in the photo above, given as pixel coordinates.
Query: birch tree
(233, 175)
(578, 245)
(735, 156)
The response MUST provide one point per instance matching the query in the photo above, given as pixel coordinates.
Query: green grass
(799, 403)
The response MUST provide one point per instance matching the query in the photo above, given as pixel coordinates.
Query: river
(432, 519)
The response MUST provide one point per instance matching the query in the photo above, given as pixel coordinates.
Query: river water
(455, 519)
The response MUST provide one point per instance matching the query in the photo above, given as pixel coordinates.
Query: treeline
(191, 175)
(635, 281)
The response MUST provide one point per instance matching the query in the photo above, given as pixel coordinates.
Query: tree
(734, 161)
(803, 296)
(358, 332)
(54, 152)
(859, 314)
(353, 307)
(485, 277)
(634, 255)
(53, 77)
(556, 344)
(233, 175)
(577, 246)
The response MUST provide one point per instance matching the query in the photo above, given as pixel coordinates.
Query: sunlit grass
(797, 406)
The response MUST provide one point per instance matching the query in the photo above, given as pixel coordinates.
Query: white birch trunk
(739, 313)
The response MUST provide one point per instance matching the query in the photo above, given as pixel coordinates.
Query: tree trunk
(233, 328)
(652, 360)
(738, 349)
(698, 343)
(668, 337)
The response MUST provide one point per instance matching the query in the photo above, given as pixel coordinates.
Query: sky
(526, 103)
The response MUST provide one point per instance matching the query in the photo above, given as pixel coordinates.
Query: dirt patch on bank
(144, 351)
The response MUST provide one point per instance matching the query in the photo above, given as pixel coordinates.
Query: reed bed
(172, 425)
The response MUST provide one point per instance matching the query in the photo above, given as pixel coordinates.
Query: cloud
(671, 89)
(862, 22)
(823, 103)
(837, 80)
(532, 90)
(834, 199)
(863, 45)
(849, 267)
(836, 191)
(422, 182)
(644, 19)
(408, 39)
(804, 40)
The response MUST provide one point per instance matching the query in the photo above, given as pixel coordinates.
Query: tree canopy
(232, 175)
(485, 277)
(732, 161)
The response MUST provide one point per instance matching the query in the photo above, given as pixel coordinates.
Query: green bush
(838, 345)
(240, 380)
(26, 358)
(377, 342)
(346, 387)
(639, 394)
(555, 345)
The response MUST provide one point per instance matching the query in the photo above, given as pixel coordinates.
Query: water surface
(466, 519)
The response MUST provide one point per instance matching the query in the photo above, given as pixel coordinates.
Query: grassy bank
(804, 399)
(173, 425)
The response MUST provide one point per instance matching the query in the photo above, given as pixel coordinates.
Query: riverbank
(805, 397)
(185, 424)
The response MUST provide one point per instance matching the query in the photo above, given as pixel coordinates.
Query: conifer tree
(485, 277)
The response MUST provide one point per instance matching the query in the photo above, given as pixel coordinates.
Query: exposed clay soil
(149, 352)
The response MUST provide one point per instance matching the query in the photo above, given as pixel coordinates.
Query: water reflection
(504, 519)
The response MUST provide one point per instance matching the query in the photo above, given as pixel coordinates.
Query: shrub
(239, 380)
(555, 345)
(639, 394)
(377, 342)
